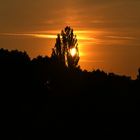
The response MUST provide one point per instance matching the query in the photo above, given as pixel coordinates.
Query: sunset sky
(108, 31)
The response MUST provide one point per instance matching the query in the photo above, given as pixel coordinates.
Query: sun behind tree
(73, 52)
(66, 48)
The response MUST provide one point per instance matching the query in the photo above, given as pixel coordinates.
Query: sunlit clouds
(48, 36)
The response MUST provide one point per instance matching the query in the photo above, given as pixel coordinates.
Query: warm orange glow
(49, 35)
(73, 52)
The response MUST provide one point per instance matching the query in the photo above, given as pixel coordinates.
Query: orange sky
(108, 31)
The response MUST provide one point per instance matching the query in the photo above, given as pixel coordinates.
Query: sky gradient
(108, 31)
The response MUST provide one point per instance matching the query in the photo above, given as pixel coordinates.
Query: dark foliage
(43, 93)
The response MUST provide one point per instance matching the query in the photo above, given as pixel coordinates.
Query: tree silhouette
(66, 48)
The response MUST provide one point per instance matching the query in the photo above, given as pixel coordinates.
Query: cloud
(31, 15)
(49, 36)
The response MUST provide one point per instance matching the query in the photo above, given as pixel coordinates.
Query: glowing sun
(73, 52)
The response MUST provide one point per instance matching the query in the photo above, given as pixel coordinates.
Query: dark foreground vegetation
(42, 93)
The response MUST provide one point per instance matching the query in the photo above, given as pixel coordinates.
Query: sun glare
(73, 52)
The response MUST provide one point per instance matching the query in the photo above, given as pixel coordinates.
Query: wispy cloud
(122, 37)
(29, 35)
(92, 61)
(49, 36)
